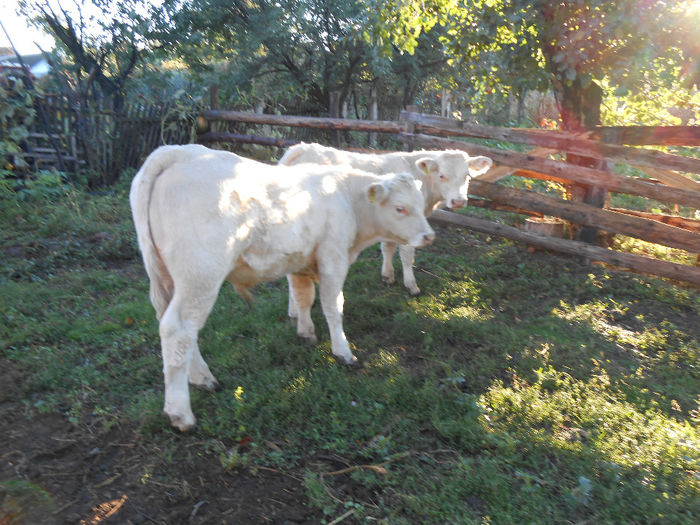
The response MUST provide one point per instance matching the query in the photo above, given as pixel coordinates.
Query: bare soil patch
(55, 472)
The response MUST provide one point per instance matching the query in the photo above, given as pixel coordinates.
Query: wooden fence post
(373, 112)
(334, 112)
(589, 118)
(213, 126)
(410, 126)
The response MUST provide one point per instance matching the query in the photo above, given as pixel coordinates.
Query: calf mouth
(425, 239)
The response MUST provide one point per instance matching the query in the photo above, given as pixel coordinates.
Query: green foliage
(99, 43)
(46, 184)
(16, 115)
(17, 112)
(296, 52)
(511, 46)
(655, 103)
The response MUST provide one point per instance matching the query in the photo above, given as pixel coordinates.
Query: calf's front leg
(407, 254)
(331, 291)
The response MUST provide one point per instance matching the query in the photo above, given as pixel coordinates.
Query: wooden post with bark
(373, 111)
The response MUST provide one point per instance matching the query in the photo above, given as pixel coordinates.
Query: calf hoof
(309, 338)
(347, 360)
(388, 279)
(208, 386)
(183, 422)
(414, 291)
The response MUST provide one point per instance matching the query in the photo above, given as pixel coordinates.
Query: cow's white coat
(204, 216)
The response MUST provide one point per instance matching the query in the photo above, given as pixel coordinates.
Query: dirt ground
(54, 472)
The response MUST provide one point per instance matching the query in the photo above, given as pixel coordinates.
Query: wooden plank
(680, 272)
(558, 140)
(674, 220)
(217, 136)
(649, 135)
(671, 178)
(497, 173)
(612, 135)
(580, 213)
(491, 205)
(528, 174)
(562, 170)
(383, 126)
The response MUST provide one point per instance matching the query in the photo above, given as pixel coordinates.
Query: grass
(518, 388)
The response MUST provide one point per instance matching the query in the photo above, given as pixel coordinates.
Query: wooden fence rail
(557, 140)
(609, 144)
(381, 126)
(680, 272)
(649, 135)
(579, 213)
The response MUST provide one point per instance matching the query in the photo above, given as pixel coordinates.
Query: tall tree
(102, 41)
(569, 45)
(313, 48)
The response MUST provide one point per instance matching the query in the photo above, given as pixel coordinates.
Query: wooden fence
(607, 144)
(98, 142)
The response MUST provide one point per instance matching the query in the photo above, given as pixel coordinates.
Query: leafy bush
(16, 115)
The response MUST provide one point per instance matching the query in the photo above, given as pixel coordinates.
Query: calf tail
(162, 287)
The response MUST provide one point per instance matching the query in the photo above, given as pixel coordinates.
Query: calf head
(399, 210)
(448, 173)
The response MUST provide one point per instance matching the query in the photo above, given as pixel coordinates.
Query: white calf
(205, 216)
(445, 176)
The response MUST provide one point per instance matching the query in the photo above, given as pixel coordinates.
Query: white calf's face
(449, 173)
(400, 205)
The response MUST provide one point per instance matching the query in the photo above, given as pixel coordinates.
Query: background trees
(330, 56)
(100, 43)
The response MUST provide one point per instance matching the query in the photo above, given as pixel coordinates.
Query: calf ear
(427, 166)
(479, 165)
(377, 192)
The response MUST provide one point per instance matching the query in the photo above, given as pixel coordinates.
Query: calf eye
(443, 178)
(402, 210)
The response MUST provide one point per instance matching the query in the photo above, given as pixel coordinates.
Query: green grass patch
(516, 388)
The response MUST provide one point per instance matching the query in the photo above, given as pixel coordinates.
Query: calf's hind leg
(388, 251)
(179, 328)
(200, 376)
(302, 293)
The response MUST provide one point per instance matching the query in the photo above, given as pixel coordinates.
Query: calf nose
(457, 203)
(428, 238)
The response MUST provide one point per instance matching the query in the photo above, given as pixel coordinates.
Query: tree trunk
(445, 103)
(580, 111)
(521, 106)
(373, 112)
(334, 105)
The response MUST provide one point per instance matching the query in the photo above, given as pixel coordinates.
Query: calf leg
(388, 251)
(200, 375)
(303, 292)
(407, 253)
(331, 291)
(178, 329)
(292, 308)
